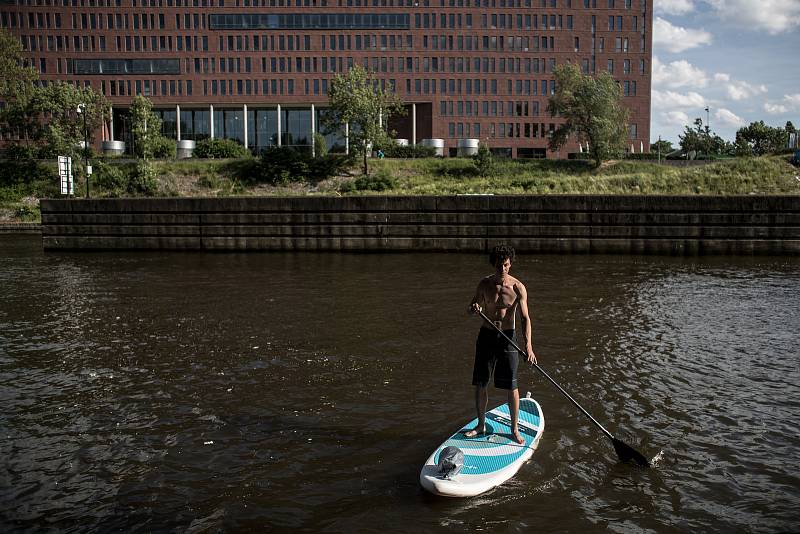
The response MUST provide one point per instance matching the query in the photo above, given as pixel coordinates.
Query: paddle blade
(627, 453)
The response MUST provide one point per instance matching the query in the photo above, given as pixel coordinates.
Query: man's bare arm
(526, 322)
(478, 301)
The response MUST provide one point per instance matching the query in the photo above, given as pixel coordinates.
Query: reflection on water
(205, 392)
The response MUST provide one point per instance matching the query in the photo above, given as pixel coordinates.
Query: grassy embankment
(761, 176)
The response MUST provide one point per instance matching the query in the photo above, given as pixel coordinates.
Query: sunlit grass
(770, 175)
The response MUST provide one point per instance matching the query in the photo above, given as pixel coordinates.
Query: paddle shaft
(567, 395)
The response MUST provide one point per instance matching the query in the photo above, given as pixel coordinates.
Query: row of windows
(320, 3)
(488, 108)
(488, 65)
(189, 43)
(311, 21)
(530, 130)
(147, 87)
(126, 66)
(153, 21)
(128, 43)
(282, 86)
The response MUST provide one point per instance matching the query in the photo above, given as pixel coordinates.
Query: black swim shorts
(494, 354)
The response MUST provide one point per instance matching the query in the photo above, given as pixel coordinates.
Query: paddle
(625, 452)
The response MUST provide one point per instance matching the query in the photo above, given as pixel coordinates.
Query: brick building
(259, 70)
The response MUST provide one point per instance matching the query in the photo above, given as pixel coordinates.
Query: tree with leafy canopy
(593, 111)
(45, 118)
(483, 160)
(145, 126)
(355, 98)
(146, 129)
(701, 139)
(661, 146)
(16, 87)
(760, 139)
(62, 127)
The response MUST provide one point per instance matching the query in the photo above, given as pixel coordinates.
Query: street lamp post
(82, 110)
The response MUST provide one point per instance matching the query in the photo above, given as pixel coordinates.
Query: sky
(739, 58)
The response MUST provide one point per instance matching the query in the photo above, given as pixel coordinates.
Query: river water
(191, 392)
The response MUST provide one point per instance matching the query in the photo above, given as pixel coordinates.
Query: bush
(219, 149)
(19, 152)
(409, 151)
(642, 156)
(320, 145)
(380, 181)
(143, 180)
(26, 212)
(483, 161)
(111, 178)
(164, 147)
(23, 171)
(281, 165)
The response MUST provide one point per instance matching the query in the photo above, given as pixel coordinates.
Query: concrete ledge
(20, 228)
(546, 223)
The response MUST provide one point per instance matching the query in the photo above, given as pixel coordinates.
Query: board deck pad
(489, 459)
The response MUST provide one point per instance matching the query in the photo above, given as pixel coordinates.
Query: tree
(45, 118)
(593, 111)
(662, 146)
(16, 87)
(760, 139)
(483, 160)
(55, 107)
(701, 139)
(146, 127)
(357, 99)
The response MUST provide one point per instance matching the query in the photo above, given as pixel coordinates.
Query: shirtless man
(499, 296)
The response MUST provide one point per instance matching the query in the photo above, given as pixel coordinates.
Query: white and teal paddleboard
(489, 459)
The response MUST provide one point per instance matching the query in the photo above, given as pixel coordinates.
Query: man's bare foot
(518, 437)
(475, 432)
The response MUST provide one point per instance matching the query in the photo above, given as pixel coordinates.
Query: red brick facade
(478, 69)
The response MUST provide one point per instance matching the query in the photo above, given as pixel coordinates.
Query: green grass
(770, 175)
(767, 175)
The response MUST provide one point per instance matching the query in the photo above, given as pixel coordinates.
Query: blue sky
(741, 58)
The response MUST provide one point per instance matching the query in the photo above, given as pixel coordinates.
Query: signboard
(65, 174)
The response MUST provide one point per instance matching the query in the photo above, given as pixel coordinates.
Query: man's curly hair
(501, 252)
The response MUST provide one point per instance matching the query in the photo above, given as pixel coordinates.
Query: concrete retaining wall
(20, 228)
(548, 223)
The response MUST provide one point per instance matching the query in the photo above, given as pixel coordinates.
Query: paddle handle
(567, 395)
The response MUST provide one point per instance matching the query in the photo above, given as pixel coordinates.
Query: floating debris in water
(657, 458)
(208, 442)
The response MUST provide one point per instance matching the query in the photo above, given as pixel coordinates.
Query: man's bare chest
(502, 295)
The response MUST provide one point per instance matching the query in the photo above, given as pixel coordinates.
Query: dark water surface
(153, 392)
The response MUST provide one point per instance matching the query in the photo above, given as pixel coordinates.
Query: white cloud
(674, 7)
(721, 77)
(775, 109)
(666, 101)
(678, 118)
(677, 74)
(772, 16)
(742, 90)
(789, 103)
(727, 118)
(676, 39)
(792, 100)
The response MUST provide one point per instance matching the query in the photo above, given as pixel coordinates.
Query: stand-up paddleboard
(489, 459)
